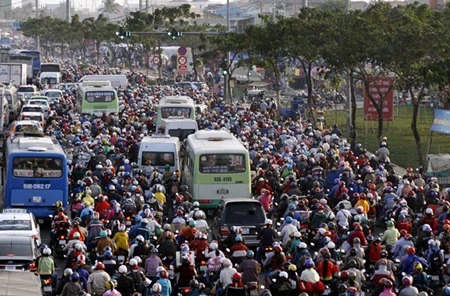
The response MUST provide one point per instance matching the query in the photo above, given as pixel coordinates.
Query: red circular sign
(182, 50)
(156, 60)
(182, 60)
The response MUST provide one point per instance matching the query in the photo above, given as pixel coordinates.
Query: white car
(54, 95)
(27, 91)
(36, 116)
(43, 103)
(24, 126)
(18, 222)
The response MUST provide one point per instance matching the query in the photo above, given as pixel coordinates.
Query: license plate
(121, 258)
(203, 267)
(435, 278)
(7, 267)
(37, 198)
(48, 288)
(303, 230)
(222, 191)
(245, 230)
(62, 242)
(127, 223)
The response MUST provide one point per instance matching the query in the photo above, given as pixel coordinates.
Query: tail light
(224, 231)
(128, 218)
(32, 267)
(62, 237)
(47, 281)
(186, 290)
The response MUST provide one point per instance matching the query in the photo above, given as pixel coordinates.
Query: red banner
(379, 88)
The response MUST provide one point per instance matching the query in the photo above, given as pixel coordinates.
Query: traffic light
(224, 66)
(122, 33)
(173, 33)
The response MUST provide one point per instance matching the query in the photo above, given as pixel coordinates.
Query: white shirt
(342, 217)
(226, 276)
(310, 275)
(287, 229)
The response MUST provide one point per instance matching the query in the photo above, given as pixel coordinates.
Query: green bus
(96, 98)
(175, 106)
(216, 167)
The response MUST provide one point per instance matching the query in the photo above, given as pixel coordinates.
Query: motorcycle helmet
(75, 277)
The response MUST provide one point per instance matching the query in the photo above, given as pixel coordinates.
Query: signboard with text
(380, 88)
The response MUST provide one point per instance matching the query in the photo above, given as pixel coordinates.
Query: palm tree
(110, 6)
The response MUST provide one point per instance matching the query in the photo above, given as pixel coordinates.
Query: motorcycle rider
(266, 237)
(250, 268)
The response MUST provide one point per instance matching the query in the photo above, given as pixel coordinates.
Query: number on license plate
(435, 277)
(47, 288)
(37, 198)
(245, 230)
(62, 242)
(7, 267)
(121, 258)
(127, 223)
(203, 267)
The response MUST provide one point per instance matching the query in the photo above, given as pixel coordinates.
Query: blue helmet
(75, 277)
(250, 254)
(288, 219)
(108, 255)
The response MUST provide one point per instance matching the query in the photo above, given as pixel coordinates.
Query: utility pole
(68, 11)
(146, 6)
(38, 42)
(140, 5)
(227, 88)
(348, 90)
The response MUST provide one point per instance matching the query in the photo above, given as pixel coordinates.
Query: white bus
(178, 127)
(216, 167)
(158, 151)
(175, 106)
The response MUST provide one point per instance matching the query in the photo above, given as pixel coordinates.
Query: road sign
(182, 60)
(380, 88)
(182, 69)
(156, 60)
(182, 50)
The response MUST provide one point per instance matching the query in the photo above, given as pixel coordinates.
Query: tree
(110, 6)
(99, 29)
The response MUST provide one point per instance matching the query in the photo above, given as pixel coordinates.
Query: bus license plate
(222, 191)
(37, 198)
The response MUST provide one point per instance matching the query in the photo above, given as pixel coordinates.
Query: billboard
(379, 88)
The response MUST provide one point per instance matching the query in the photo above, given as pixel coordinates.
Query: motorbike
(60, 243)
(47, 286)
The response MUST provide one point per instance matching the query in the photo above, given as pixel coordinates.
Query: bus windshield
(167, 112)
(100, 96)
(222, 163)
(50, 68)
(37, 167)
(49, 80)
(158, 158)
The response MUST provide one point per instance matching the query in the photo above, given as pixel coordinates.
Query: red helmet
(320, 208)
(411, 250)
(237, 277)
(100, 266)
(359, 227)
(164, 274)
(355, 224)
(277, 249)
(403, 232)
(179, 198)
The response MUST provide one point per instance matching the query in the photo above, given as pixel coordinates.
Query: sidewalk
(399, 171)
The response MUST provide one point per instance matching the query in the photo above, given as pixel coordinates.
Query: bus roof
(213, 141)
(176, 100)
(33, 144)
(93, 83)
(155, 139)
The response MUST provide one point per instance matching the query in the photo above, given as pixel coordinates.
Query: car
(201, 85)
(54, 95)
(43, 103)
(24, 126)
(248, 214)
(70, 86)
(31, 108)
(18, 252)
(27, 91)
(36, 116)
(19, 222)
(186, 85)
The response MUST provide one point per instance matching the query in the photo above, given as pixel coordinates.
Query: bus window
(25, 167)
(222, 163)
(176, 112)
(158, 158)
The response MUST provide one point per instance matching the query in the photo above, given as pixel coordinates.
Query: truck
(50, 78)
(119, 80)
(13, 73)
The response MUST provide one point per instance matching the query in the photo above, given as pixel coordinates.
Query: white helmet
(196, 204)
(122, 269)
(213, 246)
(302, 246)
(68, 272)
(429, 211)
(156, 288)
(268, 222)
(47, 251)
(133, 262)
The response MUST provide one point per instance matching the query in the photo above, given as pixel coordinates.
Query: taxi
(19, 222)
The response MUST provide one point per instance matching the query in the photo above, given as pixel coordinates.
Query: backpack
(435, 259)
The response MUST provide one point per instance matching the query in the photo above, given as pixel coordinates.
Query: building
(5, 9)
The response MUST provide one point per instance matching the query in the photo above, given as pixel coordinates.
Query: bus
(35, 175)
(216, 166)
(36, 55)
(175, 106)
(179, 127)
(97, 97)
(158, 151)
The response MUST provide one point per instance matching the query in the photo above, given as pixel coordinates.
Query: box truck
(13, 73)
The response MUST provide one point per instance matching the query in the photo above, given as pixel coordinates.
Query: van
(14, 103)
(27, 91)
(158, 151)
(50, 78)
(116, 80)
(179, 127)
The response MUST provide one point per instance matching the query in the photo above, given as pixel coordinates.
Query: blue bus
(36, 55)
(36, 174)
